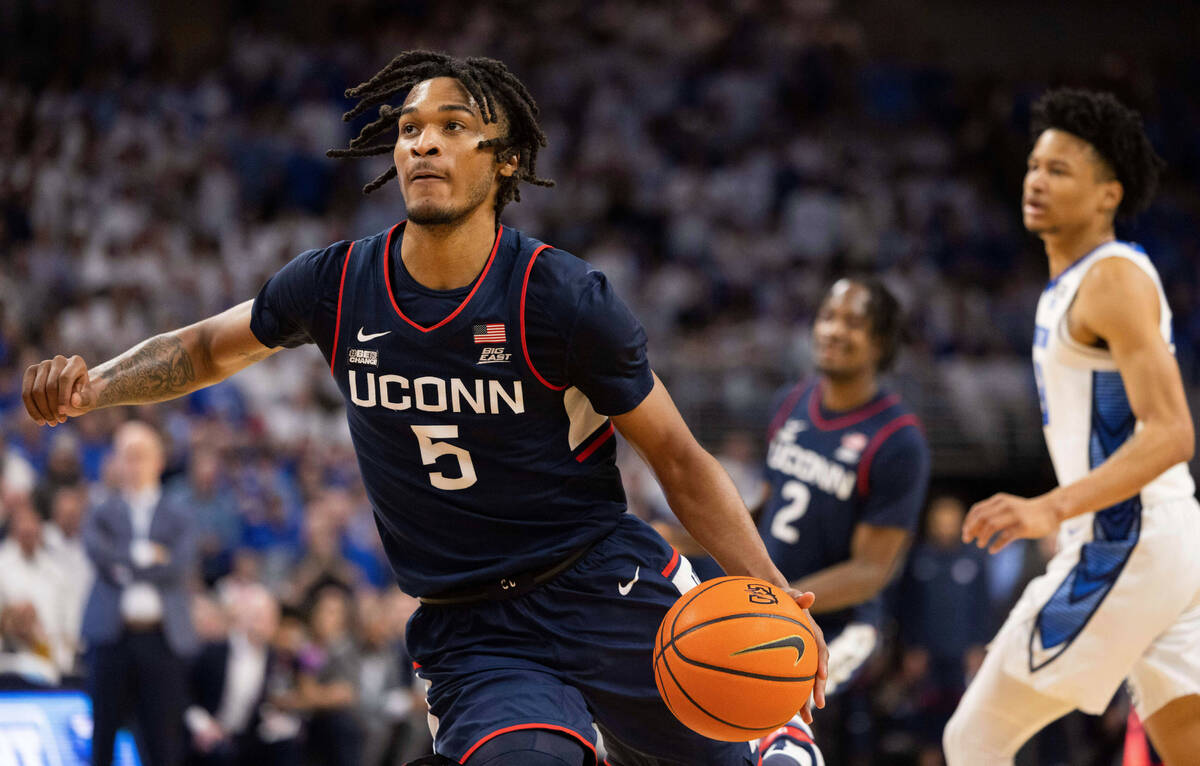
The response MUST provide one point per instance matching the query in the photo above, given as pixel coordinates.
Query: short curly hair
(887, 317)
(1114, 131)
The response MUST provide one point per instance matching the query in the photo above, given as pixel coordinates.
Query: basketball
(735, 658)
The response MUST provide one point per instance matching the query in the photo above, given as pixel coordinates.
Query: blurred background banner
(52, 729)
(720, 161)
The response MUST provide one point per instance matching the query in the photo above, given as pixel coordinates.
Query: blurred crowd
(719, 162)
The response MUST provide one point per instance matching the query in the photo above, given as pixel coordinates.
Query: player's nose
(426, 144)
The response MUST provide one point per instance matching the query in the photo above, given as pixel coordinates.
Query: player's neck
(1064, 248)
(449, 256)
(850, 394)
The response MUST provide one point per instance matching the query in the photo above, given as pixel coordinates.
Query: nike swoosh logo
(624, 587)
(787, 642)
(363, 338)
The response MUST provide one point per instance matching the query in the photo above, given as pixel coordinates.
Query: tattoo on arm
(159, 369)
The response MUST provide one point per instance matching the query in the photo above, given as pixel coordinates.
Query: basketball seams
(753, 730)
(680, 700)
(726, 618)
(742, 673)
(679, 608)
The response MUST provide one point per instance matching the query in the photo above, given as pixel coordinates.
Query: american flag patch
(488, 333)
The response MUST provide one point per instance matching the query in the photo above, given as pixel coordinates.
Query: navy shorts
(575, 650)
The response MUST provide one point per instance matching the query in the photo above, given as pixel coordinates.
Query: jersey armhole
(521, 317)
(337, 325)
(877, 441)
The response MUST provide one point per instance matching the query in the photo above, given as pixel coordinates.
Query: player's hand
(806, 599)
(56, 389)
(1007, 518)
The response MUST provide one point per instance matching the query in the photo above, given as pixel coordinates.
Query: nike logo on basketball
(787, 642)
(624, 587)
(363, 337)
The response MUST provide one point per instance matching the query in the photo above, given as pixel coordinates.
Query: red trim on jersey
(864, 465)
(337, 325)
(604, 436)
(789, 402)
(416, 665)
(787, 730)
(387, 280)
(669, 569)
(1137, 749)
(524, 345)
(552, 727)
(850, 418)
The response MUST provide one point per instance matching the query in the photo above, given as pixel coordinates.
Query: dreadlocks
(499, 94)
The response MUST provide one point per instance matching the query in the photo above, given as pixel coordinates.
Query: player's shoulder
(1113, 265)
(555, 280)
(552, 266)
(791, 394)
(1120, 273)
(896, 421)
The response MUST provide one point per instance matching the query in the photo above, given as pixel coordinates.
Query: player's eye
(453, 126)
(408, 129)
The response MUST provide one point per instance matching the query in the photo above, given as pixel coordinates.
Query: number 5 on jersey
(431, 450)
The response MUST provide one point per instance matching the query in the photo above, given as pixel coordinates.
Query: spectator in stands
(137, 623)
(34, 623)
(323, 563)
(326, 690)
(214, 508)
(63, 536)
(945, 618)
(391, 708)
(229, 681)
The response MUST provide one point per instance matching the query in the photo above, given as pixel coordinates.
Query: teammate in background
(483, 373)
(846, 473)
(1121, 597)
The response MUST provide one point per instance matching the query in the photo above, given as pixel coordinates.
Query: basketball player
(483, 374)
(1121, 597)
(846, 472)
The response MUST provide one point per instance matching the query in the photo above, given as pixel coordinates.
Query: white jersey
(1085, 411)
(1121, 597)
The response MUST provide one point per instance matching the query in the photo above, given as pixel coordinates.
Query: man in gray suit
(137, 624)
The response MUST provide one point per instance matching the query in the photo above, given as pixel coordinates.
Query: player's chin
(836, 370)
(1037, 225)
(429, 213)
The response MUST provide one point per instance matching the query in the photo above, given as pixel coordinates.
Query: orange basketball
(735, 658)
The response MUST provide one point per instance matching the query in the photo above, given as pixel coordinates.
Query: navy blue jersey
(828, 472)
(479, 416)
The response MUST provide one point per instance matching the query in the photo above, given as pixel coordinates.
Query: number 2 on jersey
(431, 451)
(781, 526)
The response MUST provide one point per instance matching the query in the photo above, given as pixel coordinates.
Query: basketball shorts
(1076, 637)
(576, 650)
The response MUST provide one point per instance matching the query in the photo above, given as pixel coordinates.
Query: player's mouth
(834, 350)
(1033, 207)
(425, 175)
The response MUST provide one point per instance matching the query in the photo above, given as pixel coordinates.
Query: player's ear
(1111, 194)
(508, 167)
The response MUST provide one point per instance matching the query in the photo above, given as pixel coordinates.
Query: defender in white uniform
(1121, 598)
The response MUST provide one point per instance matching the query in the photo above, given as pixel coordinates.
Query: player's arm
(896, 480)
(706, 501)
(698, 489)
(1117, 302)
(875, 555)
(163, 367)
(764, 494)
